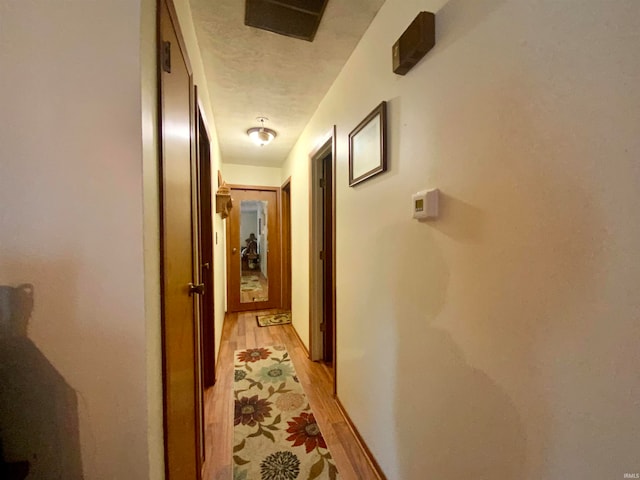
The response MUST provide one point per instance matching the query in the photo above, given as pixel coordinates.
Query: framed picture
(368, 146)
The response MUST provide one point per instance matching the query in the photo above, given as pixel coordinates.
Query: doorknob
(234, 250)
(197, 289)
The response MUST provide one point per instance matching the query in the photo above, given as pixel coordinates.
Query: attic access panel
(293, 18)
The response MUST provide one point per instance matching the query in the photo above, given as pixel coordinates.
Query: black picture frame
(368, 146)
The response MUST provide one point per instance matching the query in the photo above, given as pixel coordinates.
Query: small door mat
(274, 319)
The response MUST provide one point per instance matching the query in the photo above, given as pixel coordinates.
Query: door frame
(316, 284)
(285, 243)
(229, 247)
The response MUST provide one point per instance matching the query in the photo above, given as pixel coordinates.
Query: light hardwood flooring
(242, 331)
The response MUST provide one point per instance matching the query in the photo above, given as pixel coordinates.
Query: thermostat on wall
(425, 204)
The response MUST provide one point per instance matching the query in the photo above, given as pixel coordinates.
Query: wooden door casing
(285, 219)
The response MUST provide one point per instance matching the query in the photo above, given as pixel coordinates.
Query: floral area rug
(275, 434)
(275, 319)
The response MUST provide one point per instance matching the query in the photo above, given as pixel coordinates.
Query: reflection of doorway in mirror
(254, 283)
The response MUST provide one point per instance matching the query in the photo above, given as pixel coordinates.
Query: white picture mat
(366, 148)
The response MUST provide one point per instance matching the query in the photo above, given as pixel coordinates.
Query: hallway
(519, 305)
(241, 331)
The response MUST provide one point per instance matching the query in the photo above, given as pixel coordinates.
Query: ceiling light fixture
(261, 135)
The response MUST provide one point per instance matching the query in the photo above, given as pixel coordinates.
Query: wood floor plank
(241, 331)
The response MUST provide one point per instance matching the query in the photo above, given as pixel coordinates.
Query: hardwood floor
(242, 331)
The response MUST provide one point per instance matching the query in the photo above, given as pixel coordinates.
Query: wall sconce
(261, 136)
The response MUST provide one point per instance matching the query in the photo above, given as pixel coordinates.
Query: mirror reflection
(254, 248)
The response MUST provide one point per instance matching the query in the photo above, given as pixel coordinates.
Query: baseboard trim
(304, 348)
(363, 446)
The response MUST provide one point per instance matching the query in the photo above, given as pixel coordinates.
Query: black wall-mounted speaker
(414, 43)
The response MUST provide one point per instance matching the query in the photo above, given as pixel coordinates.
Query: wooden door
(253, 267)
(205, 214)
(181, 385)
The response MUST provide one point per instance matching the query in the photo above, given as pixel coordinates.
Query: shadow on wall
(453, 420)
(39, 434)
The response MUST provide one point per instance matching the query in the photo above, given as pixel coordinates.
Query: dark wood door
(253, 271)
(182, 396)
(327, 260)
(205, 215)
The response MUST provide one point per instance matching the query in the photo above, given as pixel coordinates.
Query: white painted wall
(71, 212)
(151, 235)
(79, 212)
(235, 174)
(500, 341)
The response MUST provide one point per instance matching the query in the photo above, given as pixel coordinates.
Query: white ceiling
(254, 73)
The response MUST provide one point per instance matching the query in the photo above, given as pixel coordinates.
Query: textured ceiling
(254, 73)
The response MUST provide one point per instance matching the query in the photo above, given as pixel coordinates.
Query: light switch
(425, 204)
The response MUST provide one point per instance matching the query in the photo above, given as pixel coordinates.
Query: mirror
(254, 249)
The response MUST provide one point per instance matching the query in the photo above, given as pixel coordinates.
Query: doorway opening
(285, 216)
(205, 218)
(322, 250)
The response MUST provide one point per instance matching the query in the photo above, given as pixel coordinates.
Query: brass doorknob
(234, 250)
(197, 289)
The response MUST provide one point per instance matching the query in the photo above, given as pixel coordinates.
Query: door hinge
(322, 183)
(166, 57)
(323, 326)
(321, 254)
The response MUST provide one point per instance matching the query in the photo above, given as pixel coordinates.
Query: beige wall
(79, 220)
(151, 235)
(500, 341)
(71, 219)
(235, 174)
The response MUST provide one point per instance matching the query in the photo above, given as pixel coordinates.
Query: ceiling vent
(293, 18)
